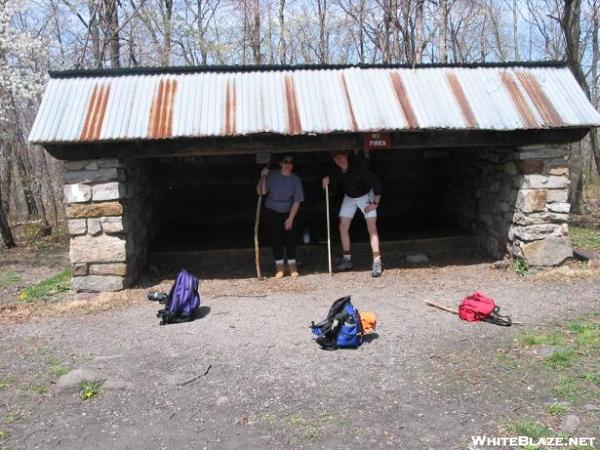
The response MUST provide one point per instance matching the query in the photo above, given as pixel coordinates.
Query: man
(362, 190)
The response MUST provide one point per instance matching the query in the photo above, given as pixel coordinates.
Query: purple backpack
(183, 300)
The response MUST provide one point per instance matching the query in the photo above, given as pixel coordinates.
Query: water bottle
(306, 237)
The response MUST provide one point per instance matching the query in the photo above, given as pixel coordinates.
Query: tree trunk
(165, 57)
(515, 29)
(419, 32)
(282, 43)
(323, 33)
(443, 30)
(6, 237)
(255, 32)
(571, 27)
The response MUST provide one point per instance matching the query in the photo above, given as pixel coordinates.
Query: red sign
(374, 141)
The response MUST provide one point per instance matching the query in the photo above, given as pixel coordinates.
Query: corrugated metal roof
(81, 108)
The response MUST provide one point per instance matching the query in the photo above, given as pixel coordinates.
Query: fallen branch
(199, 376)
(240, 296)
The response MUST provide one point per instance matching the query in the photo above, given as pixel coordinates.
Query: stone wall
(539, 232)
(108, 221)
(515, 200)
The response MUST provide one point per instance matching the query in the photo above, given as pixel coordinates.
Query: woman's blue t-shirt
(283, 191)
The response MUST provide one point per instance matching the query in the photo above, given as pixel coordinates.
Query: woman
(284, 194)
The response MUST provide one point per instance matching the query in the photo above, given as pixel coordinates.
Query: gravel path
(247, 374)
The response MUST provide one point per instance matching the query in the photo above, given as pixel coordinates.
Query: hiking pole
(328, 228)
(256, 245)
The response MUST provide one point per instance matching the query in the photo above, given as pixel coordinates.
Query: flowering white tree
(20, 52)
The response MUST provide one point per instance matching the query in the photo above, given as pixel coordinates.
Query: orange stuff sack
(368, 321)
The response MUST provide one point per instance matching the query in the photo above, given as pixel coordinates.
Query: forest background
(41, 35)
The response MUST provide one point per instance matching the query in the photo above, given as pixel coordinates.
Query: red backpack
(478, 306)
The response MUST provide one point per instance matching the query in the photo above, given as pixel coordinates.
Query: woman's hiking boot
(293, 269)
(279, 271)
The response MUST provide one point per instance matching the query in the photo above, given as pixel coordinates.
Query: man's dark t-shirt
(357, 180)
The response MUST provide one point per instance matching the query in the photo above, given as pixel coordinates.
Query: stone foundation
(539, 232)
(109, 210)
(515, 200)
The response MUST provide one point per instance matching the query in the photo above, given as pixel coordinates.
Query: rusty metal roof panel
(308, 101)
(488, 99)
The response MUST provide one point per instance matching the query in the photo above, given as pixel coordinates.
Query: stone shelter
(168, 157)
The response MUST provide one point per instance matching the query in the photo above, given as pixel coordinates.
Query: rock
(94, 227)
(545, 351)
(108, 269)
(222, 400)
(92, 166)
(94, 210)
(112, 224)
(510, 168)
(569, 424)
(560, 207)
(542, 151)
(419, 258)
(541, 182)
(91, 176)
(535, 232)
(72, 380)
(77, 165)
(558, 196)
(77, 193)
(547, 252)
(116, 384)
(559, 171)
(502, 264)
(98, 283)
(106, 163)
(591, 407)
(103, 248)
(108, 191)
(77, 227)
(79, 270)
(538, 218)
(531, 200)
(531, 166)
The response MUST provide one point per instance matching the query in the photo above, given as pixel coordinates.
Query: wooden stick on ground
(442, 307)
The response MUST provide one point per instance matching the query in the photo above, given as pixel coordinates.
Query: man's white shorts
(349, 206)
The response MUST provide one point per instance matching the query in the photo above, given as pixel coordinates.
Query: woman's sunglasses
(288, 161)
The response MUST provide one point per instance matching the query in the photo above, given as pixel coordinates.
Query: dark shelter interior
(209, 202)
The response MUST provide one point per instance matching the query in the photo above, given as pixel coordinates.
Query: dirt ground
(246, 374)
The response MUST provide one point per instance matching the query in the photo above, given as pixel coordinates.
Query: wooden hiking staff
(256, 245)
(442, 307)
(256, 224)
(328, 228)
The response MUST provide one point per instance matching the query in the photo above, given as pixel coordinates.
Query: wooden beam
(316, 143)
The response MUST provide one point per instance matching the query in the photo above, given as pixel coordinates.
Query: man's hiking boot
(293, 270)
(377, 268)
(344, 264)
(279, 271)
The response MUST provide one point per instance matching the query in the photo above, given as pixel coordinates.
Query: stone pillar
(93, 193)
(539, 232)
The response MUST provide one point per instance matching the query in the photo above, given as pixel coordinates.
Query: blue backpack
(341, 329)
(183, 300)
